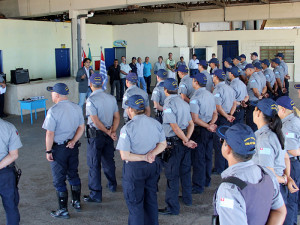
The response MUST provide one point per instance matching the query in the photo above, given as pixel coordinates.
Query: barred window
(269, 52)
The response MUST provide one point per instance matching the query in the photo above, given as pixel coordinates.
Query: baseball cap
(279, 54)
(297, 86)
(235, 71)
(200, 77)
(96, 79)
(243, 56)
(254, 53)
(214, 60)
(228, 59)
(239, 137)
(59, 88)
(238, 58)
(265, 61)
(202, 62)
(268, 106)
(258, 65)
(249, 66)
(276, 60)
(220, 74)
(136, 102)
(162, 73)
(286, 102)
(182, 68)
(132, 77)
(170, 84)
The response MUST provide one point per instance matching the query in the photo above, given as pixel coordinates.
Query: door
(119, 52)
(230, 49)
(109, 56)
(201, 53)
(62, 61)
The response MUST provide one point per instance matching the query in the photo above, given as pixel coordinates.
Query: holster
(91, 132)
(18, 173)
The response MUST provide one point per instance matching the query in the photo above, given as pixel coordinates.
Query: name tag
(167, 110)
(227, 203)
(123, 135)
(193, 102)
(264, 151)
(290, 135)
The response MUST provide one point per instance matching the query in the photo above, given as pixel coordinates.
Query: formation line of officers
(258, 162)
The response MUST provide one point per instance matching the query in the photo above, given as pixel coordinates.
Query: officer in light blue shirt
(214, 65)
(243, 60)
(254, 57)
(204, 115)
(186, 89)
(193, 64)
(279, 75)
(286, 71)
(262, 78)
(228, 65)
(270, 77)
(237, 62)
(202, 67)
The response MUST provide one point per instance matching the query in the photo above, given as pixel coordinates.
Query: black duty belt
(61, 143)
(296, 158)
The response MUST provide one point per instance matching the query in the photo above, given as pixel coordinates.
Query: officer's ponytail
(275, 125)
(296, 111)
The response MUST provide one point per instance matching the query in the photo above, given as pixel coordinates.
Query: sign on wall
(120, 43)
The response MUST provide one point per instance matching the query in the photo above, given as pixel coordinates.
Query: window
(269, 52)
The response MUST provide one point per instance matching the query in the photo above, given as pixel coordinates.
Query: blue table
(30, 105)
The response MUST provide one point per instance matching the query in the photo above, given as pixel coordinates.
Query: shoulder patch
(154, 92)
(125, 98)
(182, 85)
(253, 81)
(123, 135)
(226, 203)
(193, 101)
(88, 104)
(217, 95)
(168, 110)
(264, 151)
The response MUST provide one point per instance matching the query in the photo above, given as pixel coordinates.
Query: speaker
(19, 76)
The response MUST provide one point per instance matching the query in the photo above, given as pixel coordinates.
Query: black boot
(62, 212)
(76, 191)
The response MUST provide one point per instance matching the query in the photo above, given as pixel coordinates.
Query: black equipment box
(19, 76)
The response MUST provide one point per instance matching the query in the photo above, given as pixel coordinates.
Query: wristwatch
(49, 152)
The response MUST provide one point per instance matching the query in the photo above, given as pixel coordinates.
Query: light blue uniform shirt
(203, 104)
(268, 150)
(9, 139)
(193, 64)
(244, 64)
(63, 119)
(279, 73)
(253, 83)
(158, 94)
(134, 135)
(270, 76)
(240, 89)
(262, 80)
(147, 69)
(209, 83)
(291, 132)
(186, 86)
(177, 111)
(102, 105)
(224, 96)
(285, 67)
(227, 79)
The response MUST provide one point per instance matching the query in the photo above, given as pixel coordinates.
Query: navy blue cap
(59, 88)
(214, 60)
(200, 77)
(286, 102)
(258, 65)
(96, 79)
(276, 60)
(220, 74)
(228, 59)
(249, 66)
(132, 77)
(183, 69)
(297, 86)
(202, 62)
(238, 58)
(254, 53)
(266, 62)
(162, 73)
(136, 102)
(279, 54)
(243, 56)
(235, 71)
(170, 84)
(239, 137)
(268, 106)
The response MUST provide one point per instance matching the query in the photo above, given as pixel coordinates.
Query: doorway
(228, 49)
(62, 61)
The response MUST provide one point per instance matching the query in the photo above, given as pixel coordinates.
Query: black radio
(19, 76)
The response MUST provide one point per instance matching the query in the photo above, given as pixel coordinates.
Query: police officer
(286, 71)
(103, 120)
(279, 75)
(248, 194)
(270, 77)
(291, 131)
(204, 115)
(237, 62)
(132, 89)
(262, 78)
(141, 170)
(9, 144)
(270, 145)
(254, 57)
(178, 126)
(228, 65)
(226, 106)
(213, 64)
(158, 94)
(186, 89)
(241, 94)
(202, 67)
(65, 125)
(243, 60)
(254, 91)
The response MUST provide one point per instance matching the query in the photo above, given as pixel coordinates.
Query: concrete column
(83, 33)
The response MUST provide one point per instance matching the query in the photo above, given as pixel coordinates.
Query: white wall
(251, 40)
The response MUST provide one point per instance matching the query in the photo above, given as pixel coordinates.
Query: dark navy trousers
(65, 166)
(178, 166)
(140, 191)
(292, 199)
(10, 195)
(239, 115)
(220, 162)
(249, 116)
(101, 150)
(202, 158)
